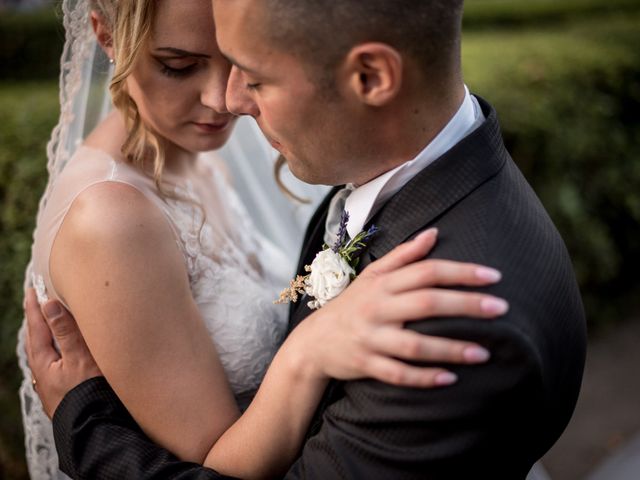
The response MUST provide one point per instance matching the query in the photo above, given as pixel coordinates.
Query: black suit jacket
(494, 423)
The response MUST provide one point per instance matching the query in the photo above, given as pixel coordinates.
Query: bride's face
(180, 78)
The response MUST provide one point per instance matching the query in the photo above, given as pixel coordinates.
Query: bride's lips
(212, 127)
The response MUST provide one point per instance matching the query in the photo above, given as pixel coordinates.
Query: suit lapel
(445, 182)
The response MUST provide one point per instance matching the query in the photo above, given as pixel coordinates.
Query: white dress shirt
(365, 200)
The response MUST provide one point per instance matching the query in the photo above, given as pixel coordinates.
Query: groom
(370, 94)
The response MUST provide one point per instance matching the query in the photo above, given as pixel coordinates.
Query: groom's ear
(373, 73)
(103, 33)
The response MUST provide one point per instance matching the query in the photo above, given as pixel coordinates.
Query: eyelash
(253, 86)
(176, 72)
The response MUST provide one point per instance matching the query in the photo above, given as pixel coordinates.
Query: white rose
(330, 275)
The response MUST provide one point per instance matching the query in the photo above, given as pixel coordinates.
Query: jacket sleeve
(96, 438)
(484, 426)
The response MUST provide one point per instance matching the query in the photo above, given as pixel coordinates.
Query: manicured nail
(446, 378)
(431, 232)
(488, 274)
(476, 354)
(494, 306)
(52, 310)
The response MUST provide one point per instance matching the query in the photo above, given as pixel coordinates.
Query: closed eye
(177, 72)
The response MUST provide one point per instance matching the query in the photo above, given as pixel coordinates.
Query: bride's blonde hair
(131, 22)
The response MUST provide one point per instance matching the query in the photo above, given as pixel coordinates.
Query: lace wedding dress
(233, 274)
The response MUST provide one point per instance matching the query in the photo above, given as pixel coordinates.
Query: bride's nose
(239, 100)
(213, 94)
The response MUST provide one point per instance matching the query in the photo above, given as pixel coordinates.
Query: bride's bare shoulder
(108, 136)
(115, 213)
(110, 227)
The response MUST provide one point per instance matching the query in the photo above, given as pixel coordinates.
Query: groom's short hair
(322, 31)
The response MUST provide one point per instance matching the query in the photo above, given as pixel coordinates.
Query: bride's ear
(103, 33)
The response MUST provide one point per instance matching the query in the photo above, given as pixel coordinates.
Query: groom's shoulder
(504, 225)
(504, 220)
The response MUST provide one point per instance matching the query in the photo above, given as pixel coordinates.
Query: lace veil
(84, 100)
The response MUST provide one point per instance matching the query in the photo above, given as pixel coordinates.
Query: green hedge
(500, 13)
(569, 102)
(29, 112)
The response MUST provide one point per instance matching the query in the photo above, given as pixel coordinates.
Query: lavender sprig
(342, 232)
(355, 247)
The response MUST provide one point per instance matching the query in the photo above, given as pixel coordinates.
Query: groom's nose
(239, 100)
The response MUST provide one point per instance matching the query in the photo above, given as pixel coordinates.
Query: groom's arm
(96, 438)
(478, 427)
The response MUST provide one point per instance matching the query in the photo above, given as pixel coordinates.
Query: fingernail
(494, 306)
(432, 232)
(476, 354)
(488, 274)
(446, 378)
(52, 310)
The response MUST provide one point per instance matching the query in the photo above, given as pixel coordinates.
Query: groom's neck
(408, 130)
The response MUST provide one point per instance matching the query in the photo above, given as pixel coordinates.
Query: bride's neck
(178, 161)
(111, 134)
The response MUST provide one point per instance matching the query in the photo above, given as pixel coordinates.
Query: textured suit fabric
(96, 438)
(494, 423)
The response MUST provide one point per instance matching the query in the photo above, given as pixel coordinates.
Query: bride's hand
(360, 333)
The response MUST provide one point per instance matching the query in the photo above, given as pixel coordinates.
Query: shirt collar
(367, 199)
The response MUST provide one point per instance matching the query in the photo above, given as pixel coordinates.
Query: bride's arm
(351, 337)
(117, 265)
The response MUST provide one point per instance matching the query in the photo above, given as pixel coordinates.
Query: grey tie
(334, 214)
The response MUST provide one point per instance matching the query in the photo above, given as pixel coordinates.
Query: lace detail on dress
(40, 288)
(40, 449)
(234, 299)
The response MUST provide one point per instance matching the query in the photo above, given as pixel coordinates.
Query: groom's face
(275, 88)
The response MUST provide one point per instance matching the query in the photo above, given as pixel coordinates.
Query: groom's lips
(212, 127)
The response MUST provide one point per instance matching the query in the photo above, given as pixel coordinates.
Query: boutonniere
(332, 270)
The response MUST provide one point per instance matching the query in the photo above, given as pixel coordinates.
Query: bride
(151, 249)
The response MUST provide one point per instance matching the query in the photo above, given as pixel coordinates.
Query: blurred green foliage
(563, 76)
(30, 44)
(28, 112)
(485, 14)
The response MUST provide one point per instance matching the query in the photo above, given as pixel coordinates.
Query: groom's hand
(55, 372)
